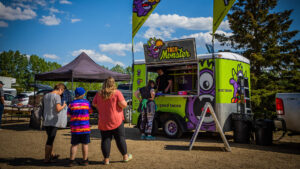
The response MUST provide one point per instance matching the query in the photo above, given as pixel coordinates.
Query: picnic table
(19, 109)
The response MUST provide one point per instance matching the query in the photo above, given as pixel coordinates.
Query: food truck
(193, 84)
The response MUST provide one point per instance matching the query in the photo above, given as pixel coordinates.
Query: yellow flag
(142, 9)
(221, 8)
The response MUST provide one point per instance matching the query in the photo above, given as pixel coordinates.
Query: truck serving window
(184, 78)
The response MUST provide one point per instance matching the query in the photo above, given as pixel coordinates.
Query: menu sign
(158, 51)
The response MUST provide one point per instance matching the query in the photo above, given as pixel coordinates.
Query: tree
(264, 37)
(118, 69)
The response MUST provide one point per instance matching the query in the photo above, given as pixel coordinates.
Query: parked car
(11, 91)
(8, 99)
(90, 95)
(22, 98)
(126, 90)
(43, 92)
(288, 108)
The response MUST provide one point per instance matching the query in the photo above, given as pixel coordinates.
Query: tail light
(279, 106)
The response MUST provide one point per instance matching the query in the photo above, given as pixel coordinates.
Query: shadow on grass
(278, 147)
(31, 162)
(202, 148)
(17, 127)
(39, 162)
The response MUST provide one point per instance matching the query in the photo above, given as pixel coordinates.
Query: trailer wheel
(171, 128)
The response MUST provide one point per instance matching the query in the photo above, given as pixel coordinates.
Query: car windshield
(123, 86)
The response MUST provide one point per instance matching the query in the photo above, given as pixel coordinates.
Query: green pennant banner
(221, 8)
(142, 9)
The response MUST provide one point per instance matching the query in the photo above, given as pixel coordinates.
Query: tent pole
(34, 102)
(72, 86)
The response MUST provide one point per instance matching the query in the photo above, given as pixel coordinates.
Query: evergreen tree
(264, 37)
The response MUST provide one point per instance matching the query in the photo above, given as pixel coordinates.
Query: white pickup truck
(288, 108)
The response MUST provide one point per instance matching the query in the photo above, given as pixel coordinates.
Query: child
(79, 111)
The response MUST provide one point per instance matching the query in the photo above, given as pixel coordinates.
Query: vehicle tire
(172, 128)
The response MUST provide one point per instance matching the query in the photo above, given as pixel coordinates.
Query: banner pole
(131, 81)
(214, 61)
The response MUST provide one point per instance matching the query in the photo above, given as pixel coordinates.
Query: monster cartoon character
(154, 46)
(233, 81)
(142, 7)
(139, 81)
(206, 94)
(138, 72)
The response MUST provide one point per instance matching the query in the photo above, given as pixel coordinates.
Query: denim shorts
(80, 138)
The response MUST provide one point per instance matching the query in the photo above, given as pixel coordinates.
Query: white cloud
(75, 20)
(163, 26)
(107, 25)
(8, 13)
(41, 2)
(65, 2)
(175, 21)
(28, 57)
(161, 32)
(115, 48)
(51, 56)
(120, 49)
(54, 10)
(98, 57)
(138, 47)
(50, 20)
(3, 24)
(206, 38)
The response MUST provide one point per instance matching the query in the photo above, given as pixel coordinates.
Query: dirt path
(22, 147)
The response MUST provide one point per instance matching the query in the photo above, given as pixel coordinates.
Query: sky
(59, 30)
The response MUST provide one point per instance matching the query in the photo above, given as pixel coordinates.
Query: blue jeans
(1, 112)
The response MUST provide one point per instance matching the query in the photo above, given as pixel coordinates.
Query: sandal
(105, 163)
(128, 159)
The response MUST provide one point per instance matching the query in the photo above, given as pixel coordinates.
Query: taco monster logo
(206, 94)
(154, 47)
(143, 7)
(234, 82)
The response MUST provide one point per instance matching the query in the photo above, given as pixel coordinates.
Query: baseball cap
(1, 83)
(79, 91)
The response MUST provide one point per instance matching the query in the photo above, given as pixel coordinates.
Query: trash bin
(264, 131)
(242, 124)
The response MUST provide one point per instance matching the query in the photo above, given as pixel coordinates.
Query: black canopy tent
(81, 69)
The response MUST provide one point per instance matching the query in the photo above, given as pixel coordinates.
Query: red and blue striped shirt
(79, 111)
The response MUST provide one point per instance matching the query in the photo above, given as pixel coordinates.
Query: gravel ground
(22, 147)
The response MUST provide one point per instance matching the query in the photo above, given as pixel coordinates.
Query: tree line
(24, 67)
(264, 37)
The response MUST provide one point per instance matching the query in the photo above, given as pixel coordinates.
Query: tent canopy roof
(82, 68)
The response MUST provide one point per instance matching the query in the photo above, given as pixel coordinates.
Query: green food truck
(193, 84)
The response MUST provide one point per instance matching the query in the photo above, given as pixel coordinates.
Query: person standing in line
(79, 111)
(110, 104)
(1, 103)
(62, 116)
(147, 109)
(163, 82)
(52, 107)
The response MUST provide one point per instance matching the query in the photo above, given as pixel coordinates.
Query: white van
(10, 91)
